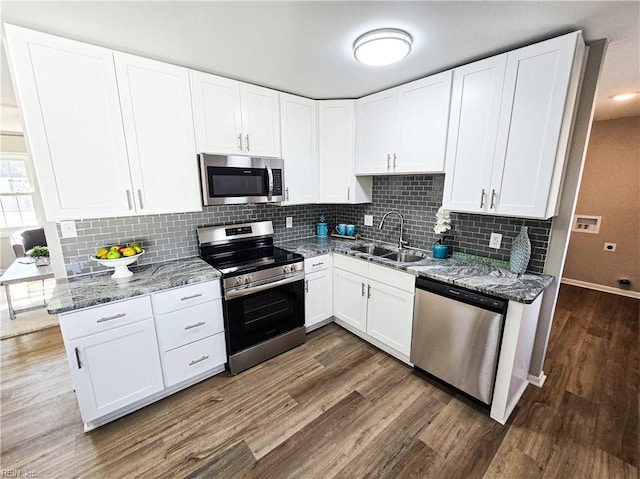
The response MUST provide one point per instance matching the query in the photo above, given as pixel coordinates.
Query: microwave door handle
(270, 177)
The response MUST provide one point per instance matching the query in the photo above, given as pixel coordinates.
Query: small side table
(23, 272)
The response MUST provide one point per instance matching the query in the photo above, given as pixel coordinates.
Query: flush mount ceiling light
(382, 47)
(625, 96)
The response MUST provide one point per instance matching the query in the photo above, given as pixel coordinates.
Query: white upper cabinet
(158, 125)
(404, 129)
(68, 98)
(523, 101)
(299, 127)
(337, 182)
(235, 118)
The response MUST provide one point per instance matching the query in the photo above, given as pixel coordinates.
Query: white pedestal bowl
(120, 265)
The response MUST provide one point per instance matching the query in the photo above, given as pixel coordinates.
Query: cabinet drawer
(189, 324)
(393, 277)
(178, 298)
(102, 318)
(356, 266)
(188, 361)
(317, 263)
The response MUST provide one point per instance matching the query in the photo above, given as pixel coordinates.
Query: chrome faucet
(401, 242)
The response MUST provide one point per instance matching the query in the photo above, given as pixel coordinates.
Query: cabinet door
(260, 120)
(299, 122)
(350, 299)
(533, 107)
(158, 121)
(217, 113)
(390, 316)
(376, 132)
(423, 108)
(115, 368)
(473, 125)
(336, 134)
(69, 102)
(319, 297)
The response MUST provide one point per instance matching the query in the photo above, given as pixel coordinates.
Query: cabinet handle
(395, 157)
(493, 197)
(482, 199)
(348, 193)
(388, 161)
(140, 199)
(196, 361)
(306, 285)
(197, 295)
(368, 291)
(246, 137)
(240, 142)
(78, 358)
(286, 192)
(109, 318)
(362, 289)
(317, 264)
(191, 326)
(129, 200)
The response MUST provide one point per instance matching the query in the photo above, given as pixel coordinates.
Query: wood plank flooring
(338, 407)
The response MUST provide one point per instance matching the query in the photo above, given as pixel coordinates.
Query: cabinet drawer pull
(482, 199)
(78, 358)
(191, 326)
(388, 161)
(493, 198)
(306, 285)
(240, 142)
(317, 264)
(362, 289)
(395, 157)
(246, 137)
(197, 295)
(140, 199)
(348, 193)
(286, 190)
(129, 200)
(369, 291)
(196, 361)
(109, 318)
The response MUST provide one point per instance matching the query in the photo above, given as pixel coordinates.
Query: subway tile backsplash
(417, 198)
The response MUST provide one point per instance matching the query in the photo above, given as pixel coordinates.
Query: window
(16, 192)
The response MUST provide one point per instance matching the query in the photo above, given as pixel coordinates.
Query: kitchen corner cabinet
(235, 118)
(404, 129)
(523, 100)
(375, 302)
(299, 128)
(337, 182)
(103, 135)
(318, 285)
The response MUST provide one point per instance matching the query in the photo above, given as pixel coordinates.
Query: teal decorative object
(520, 252)
(440, 251)
(322, 227)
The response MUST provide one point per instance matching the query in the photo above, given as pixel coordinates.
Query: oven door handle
(238, 293)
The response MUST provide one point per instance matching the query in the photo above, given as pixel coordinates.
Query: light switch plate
(68, 229)
(289, 221)
(495, 241)
(368, 220)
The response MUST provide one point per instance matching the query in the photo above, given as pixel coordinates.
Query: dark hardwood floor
(338, 407)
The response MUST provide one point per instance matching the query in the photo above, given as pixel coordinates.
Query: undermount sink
(374, 250)
(403, 257)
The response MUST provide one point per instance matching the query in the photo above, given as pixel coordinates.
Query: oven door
(256, 314)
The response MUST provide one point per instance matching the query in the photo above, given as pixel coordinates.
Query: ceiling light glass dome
(382, 47)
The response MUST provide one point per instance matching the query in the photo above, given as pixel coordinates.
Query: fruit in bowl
(119, 257)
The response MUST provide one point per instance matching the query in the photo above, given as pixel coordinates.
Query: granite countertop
(85, 291)
(484, 278)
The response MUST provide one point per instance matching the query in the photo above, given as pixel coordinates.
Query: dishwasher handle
(484, 301)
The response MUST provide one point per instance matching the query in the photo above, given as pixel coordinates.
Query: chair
(23, 241)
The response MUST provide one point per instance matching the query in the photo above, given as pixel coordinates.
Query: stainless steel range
(263, 290)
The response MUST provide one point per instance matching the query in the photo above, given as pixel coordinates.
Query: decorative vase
(440, 251)
(322, 230)
(42, 261)
(520, 252)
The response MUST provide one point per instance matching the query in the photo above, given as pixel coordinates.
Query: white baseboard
(537, 381)
(600, 287)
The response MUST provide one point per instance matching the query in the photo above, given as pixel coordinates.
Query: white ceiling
(304, 47)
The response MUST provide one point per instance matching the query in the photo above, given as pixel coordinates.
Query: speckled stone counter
(82, 292)
(479, 277)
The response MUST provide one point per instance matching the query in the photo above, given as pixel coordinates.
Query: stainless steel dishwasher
(457, 335)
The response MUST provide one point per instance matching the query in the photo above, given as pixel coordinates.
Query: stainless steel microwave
(235, 179)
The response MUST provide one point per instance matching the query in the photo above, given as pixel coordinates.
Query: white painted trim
(601, 287)
(537, 381)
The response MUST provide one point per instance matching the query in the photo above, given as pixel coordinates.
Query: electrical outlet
(68, 229)
(610, 246)
(495, 241)
(368, 220)
(289, 221)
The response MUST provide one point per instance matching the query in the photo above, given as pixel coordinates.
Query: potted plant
(322, 229)
(443, 224)
(40, 254)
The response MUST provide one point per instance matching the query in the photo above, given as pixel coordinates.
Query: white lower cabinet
(122, 357)
(375, 302)
(318, 285)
